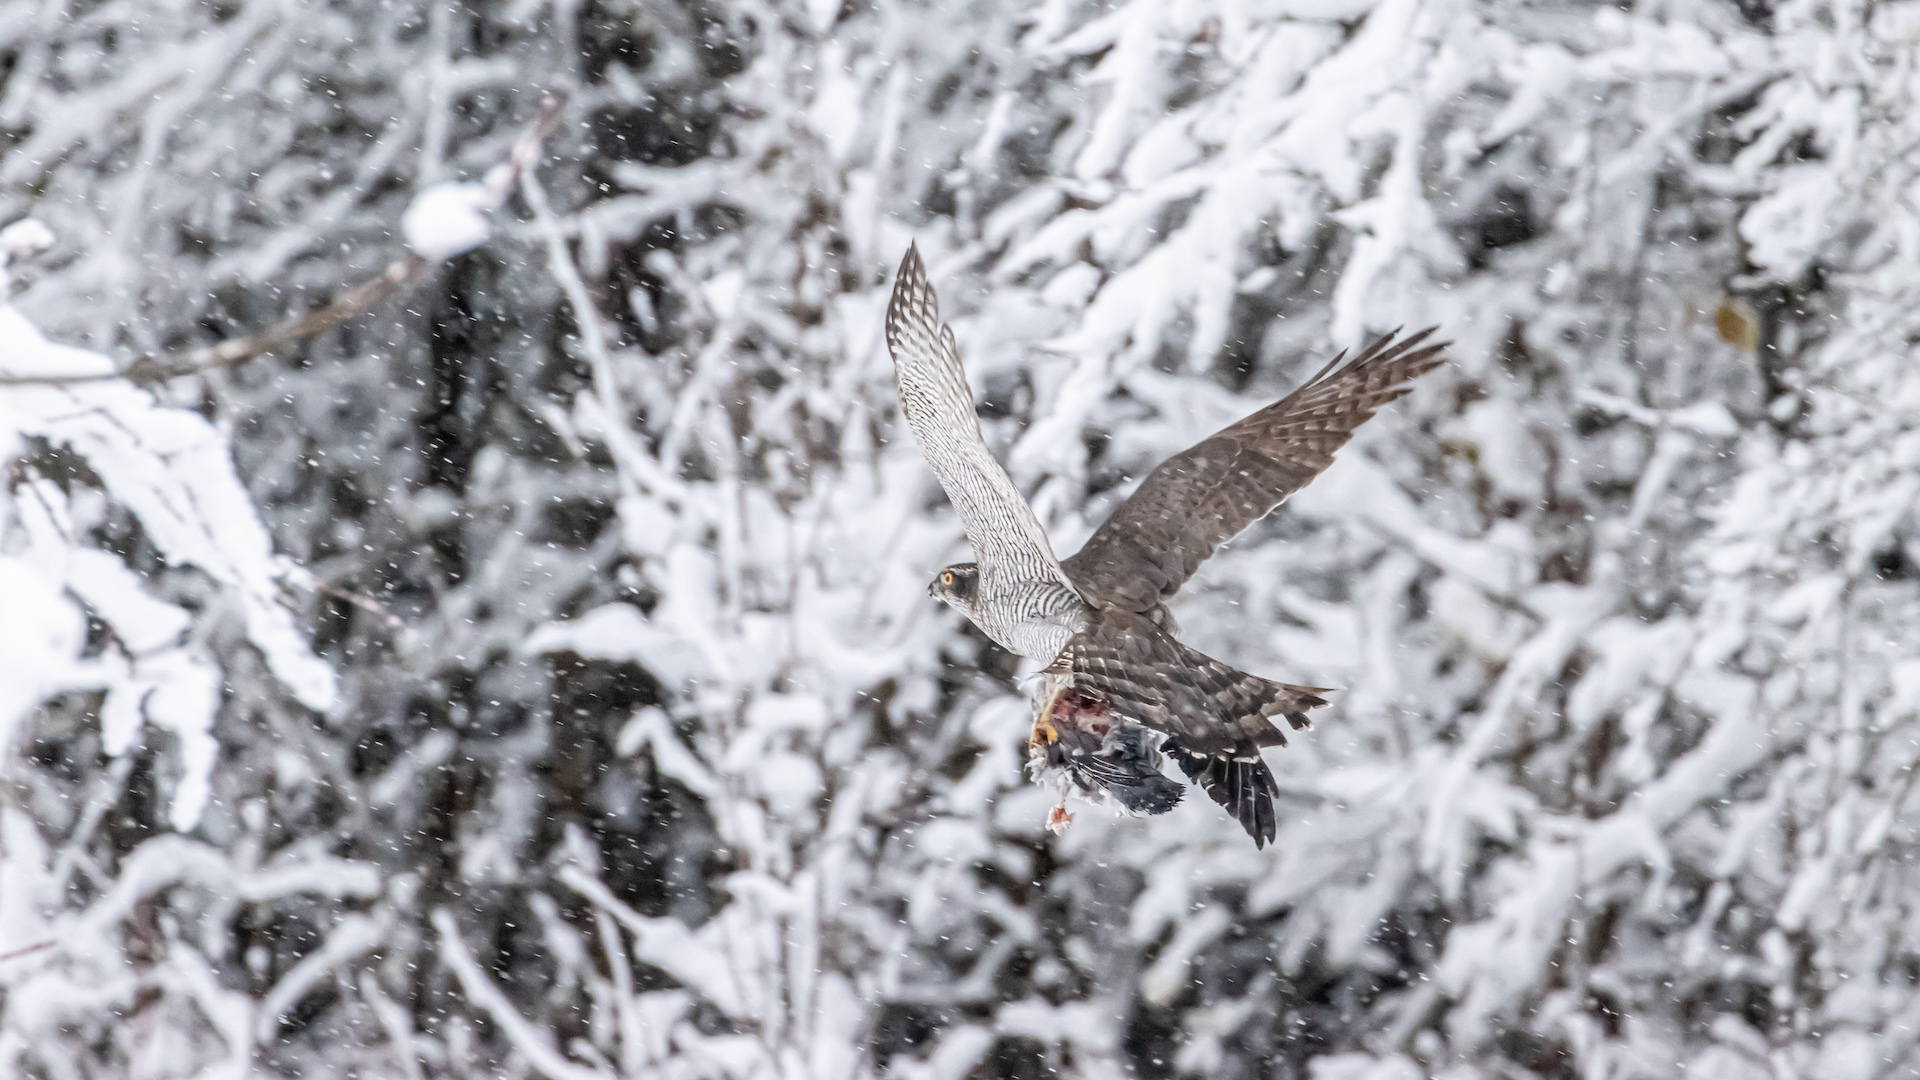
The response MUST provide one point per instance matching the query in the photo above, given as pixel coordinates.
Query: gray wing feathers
(1197, 500)
(1007, 539)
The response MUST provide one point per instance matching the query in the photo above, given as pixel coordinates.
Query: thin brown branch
(388, 619)
(26, 950)
(399, 277)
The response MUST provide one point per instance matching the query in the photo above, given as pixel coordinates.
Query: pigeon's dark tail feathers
(1236, 779)
(1126, 767)
(1123, 763)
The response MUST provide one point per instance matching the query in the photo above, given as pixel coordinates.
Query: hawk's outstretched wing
(1007, 539)
(1201, 498)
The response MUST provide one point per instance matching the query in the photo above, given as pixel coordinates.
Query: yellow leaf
(1737, 323)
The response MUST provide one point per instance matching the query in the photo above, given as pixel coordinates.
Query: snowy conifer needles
(171, 469)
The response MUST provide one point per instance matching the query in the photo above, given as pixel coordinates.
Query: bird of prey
(1099, 619)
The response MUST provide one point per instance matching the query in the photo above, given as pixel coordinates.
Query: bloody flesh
(1075, 711)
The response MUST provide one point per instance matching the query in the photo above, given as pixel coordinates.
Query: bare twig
(393, 623)
(399, 276)
(526, 149)
(26, 950)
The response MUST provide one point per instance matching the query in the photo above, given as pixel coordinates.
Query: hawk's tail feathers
(1292, 702)
(1238, 780)
(1233, 775)
(1249, 702)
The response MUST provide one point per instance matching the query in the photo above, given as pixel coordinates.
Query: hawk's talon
(1044, 733)
(1058, 820)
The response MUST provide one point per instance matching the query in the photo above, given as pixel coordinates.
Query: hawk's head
(958, 585)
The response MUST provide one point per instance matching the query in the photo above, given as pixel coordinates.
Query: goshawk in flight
(1100, 619)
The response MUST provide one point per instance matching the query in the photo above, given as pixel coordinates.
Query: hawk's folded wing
(1007, 539)
(1201, 498)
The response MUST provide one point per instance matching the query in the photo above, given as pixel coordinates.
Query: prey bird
(1099, 619)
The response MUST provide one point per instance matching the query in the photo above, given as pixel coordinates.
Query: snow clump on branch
(447, 220)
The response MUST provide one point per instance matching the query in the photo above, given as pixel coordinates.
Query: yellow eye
(946, 578)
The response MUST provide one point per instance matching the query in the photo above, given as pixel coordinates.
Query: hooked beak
(933, 588)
